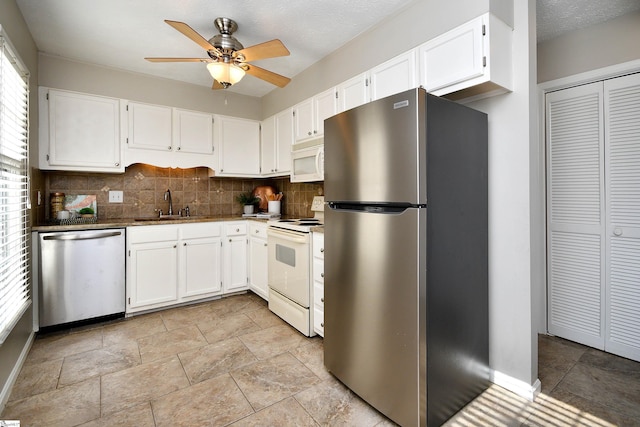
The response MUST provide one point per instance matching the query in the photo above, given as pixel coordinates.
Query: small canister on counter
(56, 204)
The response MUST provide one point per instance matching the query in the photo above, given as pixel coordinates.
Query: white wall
(60, 73)
(612, 42)
(516, 255)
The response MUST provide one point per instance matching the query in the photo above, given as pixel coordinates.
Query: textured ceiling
(120, 33)
(556, 17)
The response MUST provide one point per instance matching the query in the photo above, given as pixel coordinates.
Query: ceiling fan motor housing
(225, 42)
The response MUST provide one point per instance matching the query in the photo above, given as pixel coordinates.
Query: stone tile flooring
(232, 362)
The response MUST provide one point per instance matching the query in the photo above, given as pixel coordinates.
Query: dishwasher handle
(82, 236)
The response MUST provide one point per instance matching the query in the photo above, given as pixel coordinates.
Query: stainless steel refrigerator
(406, 299)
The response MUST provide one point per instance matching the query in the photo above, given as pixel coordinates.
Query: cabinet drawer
(318, 295)
(235, 229)
(204, 229)
(318, 321)
(292, 313)
(318, 246)
(152, 233)
(258, 230)
(318, 270)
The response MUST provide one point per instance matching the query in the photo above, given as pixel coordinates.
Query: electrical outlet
(39, 198)
(115, 196)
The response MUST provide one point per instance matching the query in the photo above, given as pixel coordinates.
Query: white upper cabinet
(192, 132)
(353, 93)
(150, 127)
(475, 56)
(284, 141)
(238, 141)
(310, 114)
(276, 139)
(79, 132)
(394, 76)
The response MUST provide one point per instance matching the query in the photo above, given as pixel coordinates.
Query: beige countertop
(129, 222)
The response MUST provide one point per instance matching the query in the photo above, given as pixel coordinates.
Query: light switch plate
(318, 203)
(115, 196)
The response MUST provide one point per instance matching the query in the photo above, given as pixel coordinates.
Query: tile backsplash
(144, 187)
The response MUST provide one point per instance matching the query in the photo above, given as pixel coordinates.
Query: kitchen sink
(169, 218)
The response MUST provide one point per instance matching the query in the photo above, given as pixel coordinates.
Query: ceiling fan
(228, 60)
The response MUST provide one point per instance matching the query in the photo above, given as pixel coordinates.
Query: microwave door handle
(318, 156)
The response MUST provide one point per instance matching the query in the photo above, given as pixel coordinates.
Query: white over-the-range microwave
(307, 161)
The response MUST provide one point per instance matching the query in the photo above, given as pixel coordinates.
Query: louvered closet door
(575, 203)
(622, 154)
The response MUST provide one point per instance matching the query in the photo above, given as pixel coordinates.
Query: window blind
(14, 191)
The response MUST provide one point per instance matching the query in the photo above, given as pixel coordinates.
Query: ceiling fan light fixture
(226, 74)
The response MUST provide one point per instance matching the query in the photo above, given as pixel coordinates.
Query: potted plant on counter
(249, 200)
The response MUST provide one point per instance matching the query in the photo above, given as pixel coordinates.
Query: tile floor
(232, 362)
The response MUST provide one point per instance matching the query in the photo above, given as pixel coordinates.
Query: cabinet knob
(175, 246)
(178, 148)
(617, 231)
(315, 131)
(229, 240)
(322, 324)
(237, 230)
(321, 250)
(266, 244)
(309, 133)
(169, 148)
(322, 299)
(117, 164)
(184, 244)
(322, 275)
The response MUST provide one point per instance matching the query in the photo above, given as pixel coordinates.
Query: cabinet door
(201, 267)
(83, 132)
(394, 76)
(193, 132)
(303, 120)
(239, 146)
(325, 105)
(268, 146)
(258, 270)
(453, 57)
(152, 279)
(149, 126)
(284, 141)
(235, 263)
(353, 93)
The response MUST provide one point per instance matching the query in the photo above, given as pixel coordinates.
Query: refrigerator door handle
(379, 208)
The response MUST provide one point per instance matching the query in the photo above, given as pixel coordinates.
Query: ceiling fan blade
(267, 75)
(177, 59)
(192, 34)
(269, 49)
(216, 85)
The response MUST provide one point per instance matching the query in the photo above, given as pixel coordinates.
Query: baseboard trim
(11, 380)
(514, 385)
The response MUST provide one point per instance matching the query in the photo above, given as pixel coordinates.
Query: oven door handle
(290, 236)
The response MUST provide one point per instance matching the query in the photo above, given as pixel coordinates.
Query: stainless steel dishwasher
(81, 275)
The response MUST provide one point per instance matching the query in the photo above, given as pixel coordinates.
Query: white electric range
(290, 276)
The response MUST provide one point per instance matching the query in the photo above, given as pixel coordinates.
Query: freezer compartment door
(377, 152)
(375, 282)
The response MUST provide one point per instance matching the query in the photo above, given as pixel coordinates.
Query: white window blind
(14, 191)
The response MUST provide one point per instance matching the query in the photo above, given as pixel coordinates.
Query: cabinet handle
(321, 250)
(117, 164)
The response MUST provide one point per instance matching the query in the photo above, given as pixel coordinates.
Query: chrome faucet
(167, 197)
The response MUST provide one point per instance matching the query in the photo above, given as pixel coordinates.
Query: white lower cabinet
(318, 283)
(258, 259)
(234, 249)
(180, 263)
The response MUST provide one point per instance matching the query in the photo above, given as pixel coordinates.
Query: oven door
(289, 271)
(307, 164)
